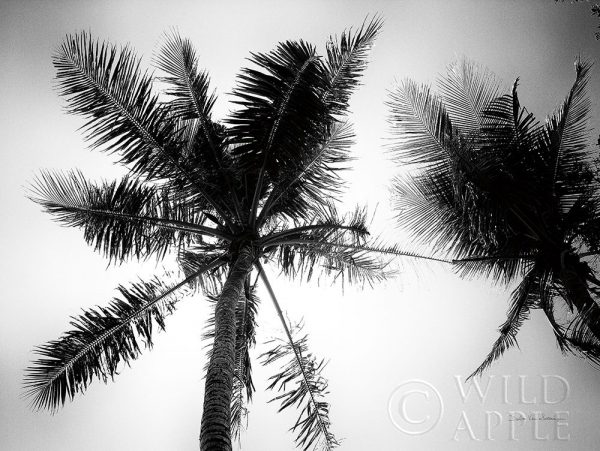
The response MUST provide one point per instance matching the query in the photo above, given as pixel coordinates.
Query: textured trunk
(215, 432)
(578, 294)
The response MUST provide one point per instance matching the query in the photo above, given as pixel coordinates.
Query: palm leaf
(120, 218)
(567, 137)
(343, 263)
(324, 223)
(523, 300)
(467, 90)
(312, 177)
(191, 101)
(347, 60)
(194, 259)
(303, 371)
(422, 125)
(304, 387)
(188, 87)
(105, 85)
(282, 112)
(101, 340)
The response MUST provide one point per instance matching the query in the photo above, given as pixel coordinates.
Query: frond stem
(301, 242)
(296, 230)
(480, 258)
(297, 354)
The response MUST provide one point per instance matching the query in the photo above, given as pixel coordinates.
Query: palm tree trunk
(215, 432)
(578, 294)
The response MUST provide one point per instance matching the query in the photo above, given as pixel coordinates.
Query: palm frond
(522, 301)
(332, 244)
(188, 87)
(102, 339)
(581, 340)
(194, 260)
(504, 267)
(422, 125)
(121, 218)
(311, 177)
(562, 341)
(354, 264)
(303, 370)
(282, 113)
(191, 101)
(105, 85)
(324, 223)
(467, 90)
(567, 137)
(428, 208)
(575, 337)
(304, 387)
(347, 60)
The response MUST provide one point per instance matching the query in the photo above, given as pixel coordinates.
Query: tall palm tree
(226, 197)
(506, 196)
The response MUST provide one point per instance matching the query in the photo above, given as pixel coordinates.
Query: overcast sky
(424, 325)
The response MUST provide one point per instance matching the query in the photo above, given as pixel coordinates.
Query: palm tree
(225, 197)
(507, 197)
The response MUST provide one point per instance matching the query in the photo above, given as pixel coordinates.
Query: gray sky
(425, 325)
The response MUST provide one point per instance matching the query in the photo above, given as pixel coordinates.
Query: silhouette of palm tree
(224, 196)
(507, 197)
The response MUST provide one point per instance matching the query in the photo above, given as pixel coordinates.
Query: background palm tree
(505, 196)
(224, 196)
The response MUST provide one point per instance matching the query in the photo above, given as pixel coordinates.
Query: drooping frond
(547, 305)
(467, 90)
(575, 336)
(120, 218)
(301, 385)
(346, 61)
(303, 370)
(422, 125)
(522, 301)
(581, 340)
(243, 385)
(102, 339)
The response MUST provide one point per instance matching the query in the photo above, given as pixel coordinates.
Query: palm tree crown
(506, 196)
(260, 186)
